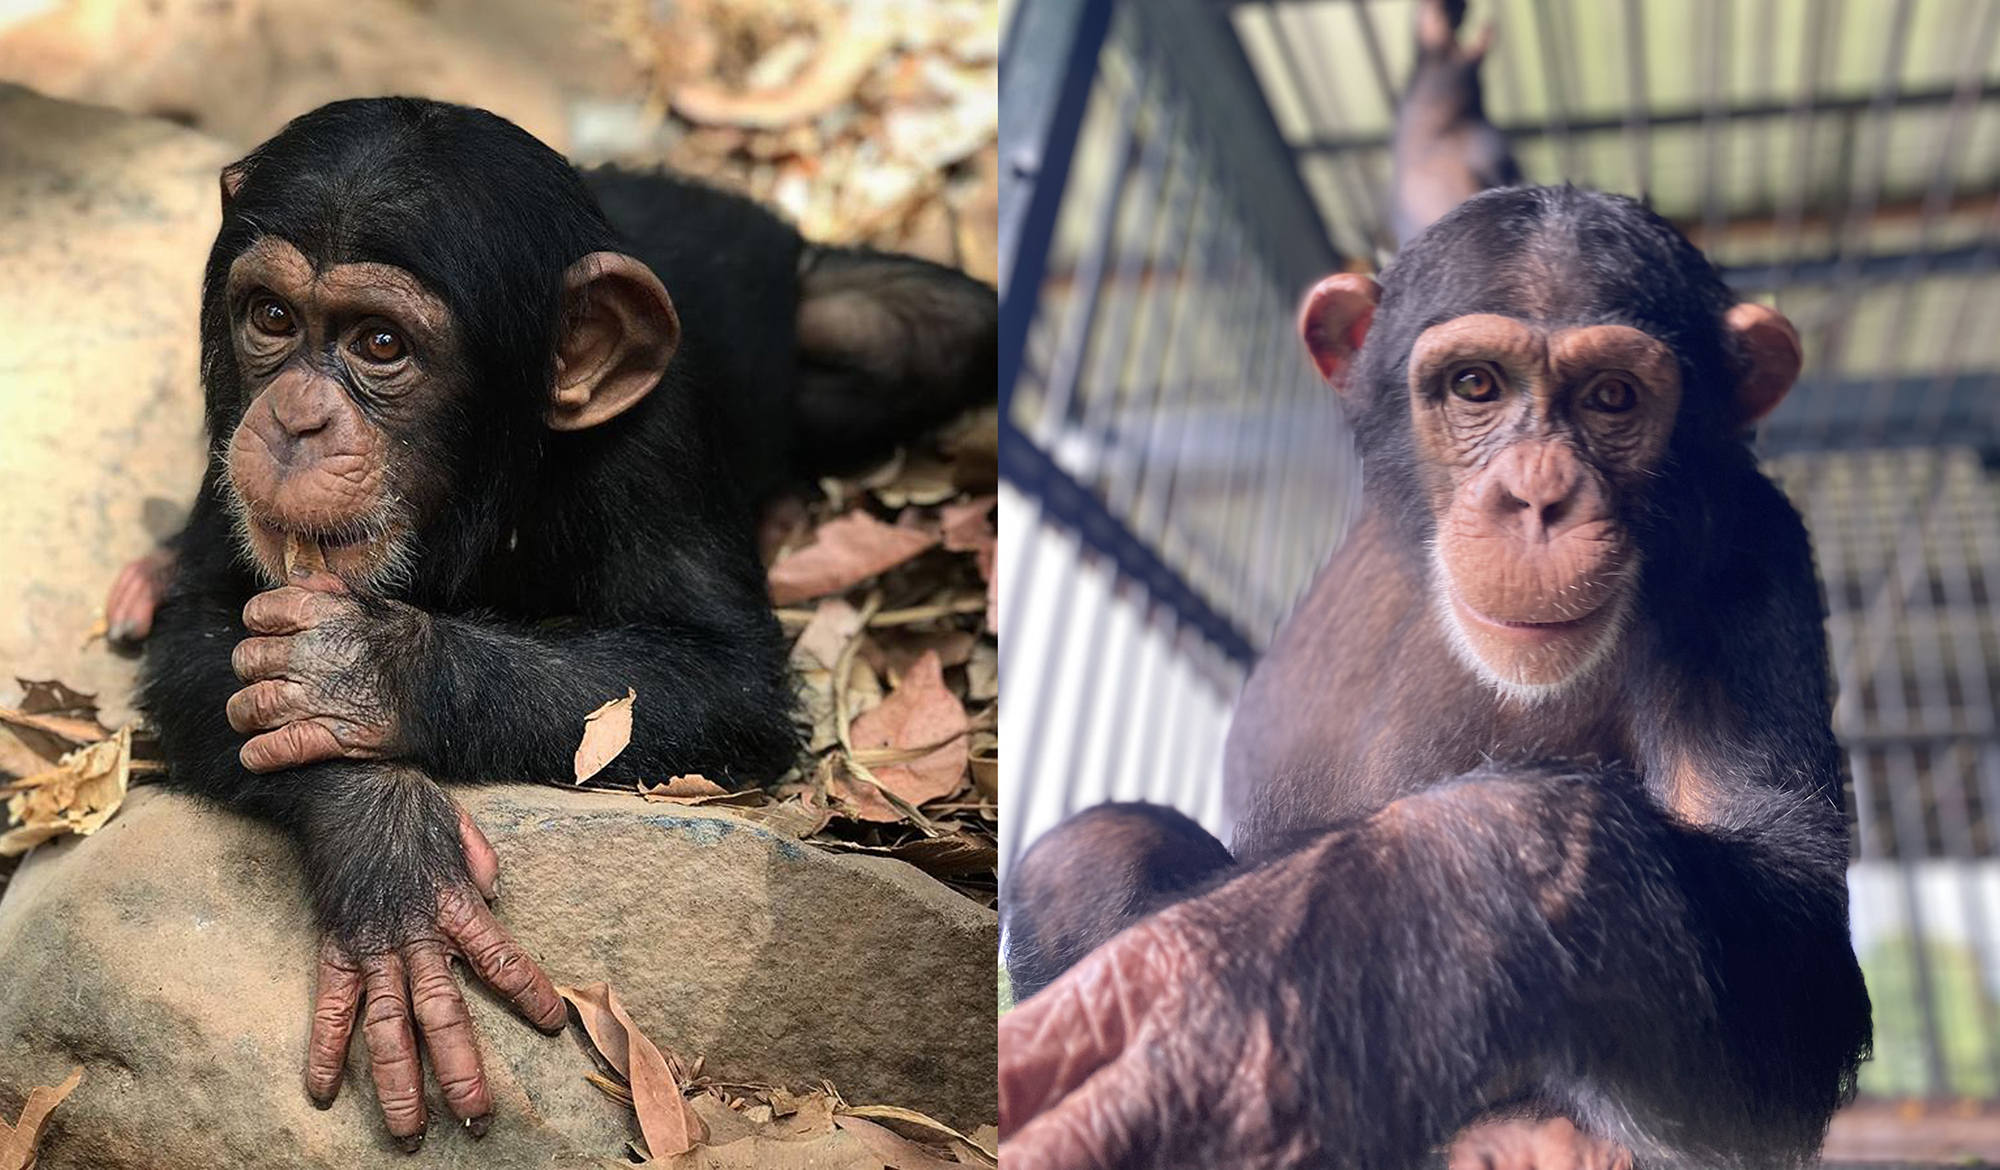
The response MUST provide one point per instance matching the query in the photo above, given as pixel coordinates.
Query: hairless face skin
(1539, 851)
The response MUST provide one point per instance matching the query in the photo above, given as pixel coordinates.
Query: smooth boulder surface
(105, 222)
(170, 956)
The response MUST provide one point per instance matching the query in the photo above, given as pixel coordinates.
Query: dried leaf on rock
(75, 797)
(18, 1141)
(909, 1123)
(920, 716)
(893, 1148)
(656, 1076)
(699, 790)
(846, 551)
(954, 855)
(606, 732)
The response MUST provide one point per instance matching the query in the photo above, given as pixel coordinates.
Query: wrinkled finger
(266, 705)
(392, 1049)
(1075, 1026)
(447, 1029)
(481, 862)
(498, 960)
(291, 746)
(287, 610)
(1109, 1123)
(257, 658)
(333, 1013)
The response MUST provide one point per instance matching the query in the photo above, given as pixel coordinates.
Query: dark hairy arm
(1567, 934)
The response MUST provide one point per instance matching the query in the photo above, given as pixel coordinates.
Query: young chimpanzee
(1540, 805)
(1445, 151)
(484, 459)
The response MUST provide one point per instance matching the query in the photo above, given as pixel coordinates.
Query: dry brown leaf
(656, 1077)
(846, 551)
(918, 714)
(18, 1141)
(75, 797)
(953, 855)
(922, 482)
(892, 1147)
(606, 731)
(832, 626)
(72, 731)
(699, 790)
(907, 1122)
(50, 696)
(827, 81)
(968, 526)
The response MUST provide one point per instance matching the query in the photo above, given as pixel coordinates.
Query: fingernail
(413, 1143)
(321, 1103)
(479, 1125)
(123, 631)
(494, 886)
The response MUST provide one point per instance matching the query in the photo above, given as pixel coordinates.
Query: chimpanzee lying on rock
(488, 437)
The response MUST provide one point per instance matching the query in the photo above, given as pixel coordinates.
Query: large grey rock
(169, 956)
(105, 220)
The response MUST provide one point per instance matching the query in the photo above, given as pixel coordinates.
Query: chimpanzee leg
(1091, 877)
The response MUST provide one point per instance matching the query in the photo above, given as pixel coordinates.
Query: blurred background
(1178, 172)
(863, 120)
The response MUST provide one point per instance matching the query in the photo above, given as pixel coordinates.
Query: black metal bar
(1069, 503)
(1826, 270)
(1053, 63)
(1910, 99)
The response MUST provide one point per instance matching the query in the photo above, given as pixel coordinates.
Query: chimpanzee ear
(619, 332)
(232, 180)
(1334, 322)
(1772, 358)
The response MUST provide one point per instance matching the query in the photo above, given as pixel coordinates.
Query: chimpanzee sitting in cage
(1543, 843)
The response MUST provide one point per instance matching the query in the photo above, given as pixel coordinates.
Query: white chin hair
(1526, 693)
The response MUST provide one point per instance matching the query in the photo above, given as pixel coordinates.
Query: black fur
(566, 567)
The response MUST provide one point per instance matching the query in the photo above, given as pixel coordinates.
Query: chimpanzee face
(1533, 443)
(337, 363)
(1534, 436)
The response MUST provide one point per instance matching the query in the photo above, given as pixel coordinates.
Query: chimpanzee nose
(1534, 491)
(304, 408)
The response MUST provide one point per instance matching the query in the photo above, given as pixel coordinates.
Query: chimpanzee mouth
(1532, 629)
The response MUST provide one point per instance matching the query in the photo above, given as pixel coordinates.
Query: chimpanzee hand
(414, 980)
(314, 668)
(1131, 1056)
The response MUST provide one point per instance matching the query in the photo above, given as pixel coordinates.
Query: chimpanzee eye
(1475, 385)
(380, 345)
(269, 315)
(1612, 396)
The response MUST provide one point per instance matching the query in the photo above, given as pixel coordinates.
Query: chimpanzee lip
(327, 536)
(1567, 625)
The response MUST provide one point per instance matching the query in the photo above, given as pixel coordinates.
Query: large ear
(619, 332)
(1334, 322)
(1772, 359)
